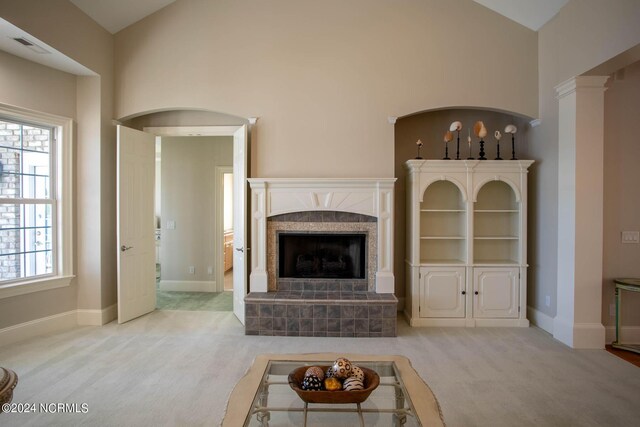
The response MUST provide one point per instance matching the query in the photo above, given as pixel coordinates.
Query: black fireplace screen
(339, 256)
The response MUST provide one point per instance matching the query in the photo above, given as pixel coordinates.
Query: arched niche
(429, 126)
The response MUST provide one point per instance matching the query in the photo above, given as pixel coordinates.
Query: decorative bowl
(371, 381)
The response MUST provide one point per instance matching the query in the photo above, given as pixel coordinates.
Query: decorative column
(258, 278)
(578, 322)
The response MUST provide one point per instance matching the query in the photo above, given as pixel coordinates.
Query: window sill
(37, 285)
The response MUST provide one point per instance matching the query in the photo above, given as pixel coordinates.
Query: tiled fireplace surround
(321, 307)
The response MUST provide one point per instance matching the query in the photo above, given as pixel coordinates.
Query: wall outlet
(209, 270)
(631, 237)
(547, 301)
(192, 269)
(612, 310)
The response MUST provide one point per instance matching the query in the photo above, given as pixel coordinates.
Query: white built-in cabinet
(466, 242)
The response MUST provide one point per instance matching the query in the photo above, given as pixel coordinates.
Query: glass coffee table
(263, 396)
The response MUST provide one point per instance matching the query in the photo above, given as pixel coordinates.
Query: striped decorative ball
(315, 370)
(358, 373)
(352, 383)
(342, 368)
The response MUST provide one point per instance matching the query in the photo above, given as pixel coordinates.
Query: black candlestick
(418, 157)
(446, 151)
(458, 147)
(498, 151)
(481, 153)
(513, 147)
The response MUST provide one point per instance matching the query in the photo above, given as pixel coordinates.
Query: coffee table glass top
(276, 404)
(263, 396)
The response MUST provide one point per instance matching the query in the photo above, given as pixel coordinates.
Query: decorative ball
(311, 383)
(329, 373)
(352, 383)
(342, 368)
(358, 373)
(315, 370)
(332, 384)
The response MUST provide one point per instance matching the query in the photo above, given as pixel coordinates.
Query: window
(35, 211)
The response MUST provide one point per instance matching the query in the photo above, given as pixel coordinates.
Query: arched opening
(197, 248)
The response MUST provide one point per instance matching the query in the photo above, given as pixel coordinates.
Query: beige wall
(584, 34)
(189, 197)
(43, 89)
(65, 28)
(430, 128)
(324, 76)
(621, 195)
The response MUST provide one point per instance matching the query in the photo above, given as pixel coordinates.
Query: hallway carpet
(194, 301)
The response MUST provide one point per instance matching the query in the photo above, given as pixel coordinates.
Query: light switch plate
(631, 237)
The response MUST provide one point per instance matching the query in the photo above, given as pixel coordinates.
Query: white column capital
(392, 120)
(577, 83)
(253, 120)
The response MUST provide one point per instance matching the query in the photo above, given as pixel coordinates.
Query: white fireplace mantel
(366, 196)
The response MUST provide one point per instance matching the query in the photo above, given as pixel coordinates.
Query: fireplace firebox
(322, 255)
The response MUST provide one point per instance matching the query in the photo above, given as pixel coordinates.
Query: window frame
(62, 202)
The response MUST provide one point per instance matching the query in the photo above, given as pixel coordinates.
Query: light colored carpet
(178, 368)
(194, 301)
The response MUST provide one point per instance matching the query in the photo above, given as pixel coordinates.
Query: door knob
(240, 249)
(124, 248)
(476, 292)
(464, 292)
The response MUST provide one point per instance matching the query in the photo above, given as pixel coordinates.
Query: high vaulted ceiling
(114, 15)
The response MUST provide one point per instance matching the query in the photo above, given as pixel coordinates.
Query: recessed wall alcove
(430, 127)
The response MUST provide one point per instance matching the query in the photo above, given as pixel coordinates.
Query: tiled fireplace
(321, 258)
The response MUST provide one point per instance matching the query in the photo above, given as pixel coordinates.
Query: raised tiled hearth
(321, 313)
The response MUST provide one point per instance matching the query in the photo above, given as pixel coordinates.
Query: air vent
(30, 45)
(23, 41)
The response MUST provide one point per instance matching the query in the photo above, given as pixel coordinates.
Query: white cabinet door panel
(495, 292)
(441, 292)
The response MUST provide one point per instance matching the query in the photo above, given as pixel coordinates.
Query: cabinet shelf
(496, 211)
(496, 237)
(443, 262)
(443, 210)
(496, 262)
(442, 237)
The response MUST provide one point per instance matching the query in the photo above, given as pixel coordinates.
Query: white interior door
(135, 210)
(239, 221)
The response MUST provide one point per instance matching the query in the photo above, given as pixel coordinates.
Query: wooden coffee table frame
(239, 406)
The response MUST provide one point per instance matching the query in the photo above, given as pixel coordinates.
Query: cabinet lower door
(441, 292)
(495, 292)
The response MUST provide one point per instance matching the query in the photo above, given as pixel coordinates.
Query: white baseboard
(187, 286)
(541, 320)
(97, 317)
(628, 334)
(43, 326)
(401, 303)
